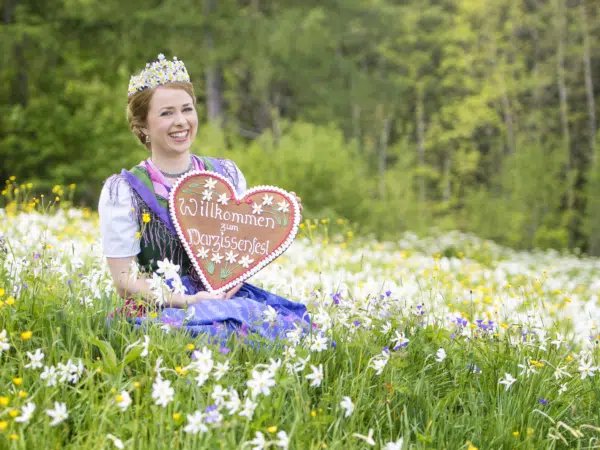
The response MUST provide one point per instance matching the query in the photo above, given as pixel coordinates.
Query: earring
(147, 139)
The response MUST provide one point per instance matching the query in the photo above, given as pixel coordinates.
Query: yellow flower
(313, 413)
(138, 235)
(3, 401)
(137, 384)
(3, 425)
(515, 433)
(190, 347)
(272, 429)
(178, 369)
(14, 437)
(12, 178)
(146, 217)
(72, 186)
(176, 416)
(26, 335)
(529, 431)
(2, 291)
(119, 398)
(22, 394)
(13, 413)
(17, 381)
(471, 446)
(113, 390)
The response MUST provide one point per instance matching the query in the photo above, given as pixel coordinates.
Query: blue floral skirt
(243, 314)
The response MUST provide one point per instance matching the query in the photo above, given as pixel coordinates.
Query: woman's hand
(205, 295)
(299, 200)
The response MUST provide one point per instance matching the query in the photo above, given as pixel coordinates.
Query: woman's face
(172, 121)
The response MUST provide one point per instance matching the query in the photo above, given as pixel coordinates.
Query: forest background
(478, 115)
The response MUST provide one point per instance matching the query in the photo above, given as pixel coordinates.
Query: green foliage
(399, 115)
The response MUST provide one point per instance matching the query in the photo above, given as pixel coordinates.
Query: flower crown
(157, 73)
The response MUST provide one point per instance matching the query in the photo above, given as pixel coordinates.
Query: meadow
(447, 341)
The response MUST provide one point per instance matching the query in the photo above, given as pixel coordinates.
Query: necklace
(177, 175)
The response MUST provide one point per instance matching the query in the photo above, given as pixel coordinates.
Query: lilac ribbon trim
(149, 199)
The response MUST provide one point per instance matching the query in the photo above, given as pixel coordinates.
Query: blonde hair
(139, 104)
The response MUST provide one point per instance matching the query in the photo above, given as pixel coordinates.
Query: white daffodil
(162, 392)
(316, 376)
(248, 408)
(36, 359)
(258, 443)
(394, 445)
(508, 381)
(368, 438)
(123, 400)
(58, 414)
(220, 370)
(261, 382)
(116, 441)
(440, 355)
(167, 269)
(195, 423)
(283, 440)
(27, 411)
(50, 375)
(146, 346)
(4, 345)
(347, 405)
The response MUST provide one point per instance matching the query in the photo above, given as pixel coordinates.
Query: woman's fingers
(233, 291)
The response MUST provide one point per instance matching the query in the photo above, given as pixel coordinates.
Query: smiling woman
(136, 227)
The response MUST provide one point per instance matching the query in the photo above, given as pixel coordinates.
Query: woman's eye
(165, 113)
(188, 109)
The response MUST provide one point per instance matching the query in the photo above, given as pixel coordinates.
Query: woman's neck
(172, 164)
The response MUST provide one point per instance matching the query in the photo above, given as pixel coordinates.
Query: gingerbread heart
(228, 237)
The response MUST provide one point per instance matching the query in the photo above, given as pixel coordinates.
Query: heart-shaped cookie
(228, 237)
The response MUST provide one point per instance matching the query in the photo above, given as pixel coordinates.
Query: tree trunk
(508, 118)
(420, 118)
(564, 107)
(589, 84)
(212, 72)
(383, 146)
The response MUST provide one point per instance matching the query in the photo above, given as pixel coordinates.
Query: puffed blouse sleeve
(118, 224)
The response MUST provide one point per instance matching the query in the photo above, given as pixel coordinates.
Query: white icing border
(267, 260)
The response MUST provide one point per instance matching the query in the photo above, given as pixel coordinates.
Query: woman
(136, 227)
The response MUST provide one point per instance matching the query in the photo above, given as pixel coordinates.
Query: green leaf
(109, 355)
(131, 356)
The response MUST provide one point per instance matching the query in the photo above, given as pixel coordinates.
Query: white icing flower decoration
(256, 208)
(223, 199)
(207, 195)
(210, 183)
(267, 199)
(230, 257)
(246, 261)
(283, 206)
(202, 253)
(216, 258)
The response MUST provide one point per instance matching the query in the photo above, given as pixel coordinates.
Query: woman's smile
(180, 136)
